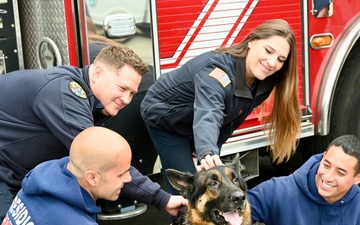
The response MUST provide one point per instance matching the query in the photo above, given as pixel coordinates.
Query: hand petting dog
(176, 202)
(217, 196)
(208, 162)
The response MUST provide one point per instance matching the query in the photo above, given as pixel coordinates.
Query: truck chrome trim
(155, 39)
(18, 34)
(47, 53)
(330, 77)
(139, 208)
(305, 61)
(258, 139)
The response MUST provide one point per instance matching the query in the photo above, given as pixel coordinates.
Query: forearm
(144, 190)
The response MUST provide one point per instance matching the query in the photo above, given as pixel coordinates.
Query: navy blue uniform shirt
(41, 111)
(206, 98)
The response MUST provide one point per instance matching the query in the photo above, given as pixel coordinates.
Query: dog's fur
(212, 194)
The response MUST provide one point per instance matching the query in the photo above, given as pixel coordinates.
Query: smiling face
(100, 159)
(336, 174)
(266, 56)
(111, 181)
(114, 88)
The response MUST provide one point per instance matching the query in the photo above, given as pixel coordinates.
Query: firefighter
(323, 191)
(43, 110)
(64, 191)
(127, 122)
(194, 109)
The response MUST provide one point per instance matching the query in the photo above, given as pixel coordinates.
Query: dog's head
(216, 196)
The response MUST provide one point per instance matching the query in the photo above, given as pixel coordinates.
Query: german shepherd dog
(216, 196)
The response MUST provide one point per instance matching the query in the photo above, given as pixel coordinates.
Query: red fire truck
(167, 33)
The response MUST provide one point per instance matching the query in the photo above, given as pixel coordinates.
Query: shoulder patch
(77, 89)
(220, 76)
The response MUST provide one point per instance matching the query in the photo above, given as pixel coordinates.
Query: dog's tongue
(233, 218)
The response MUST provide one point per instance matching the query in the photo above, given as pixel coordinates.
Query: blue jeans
(175, 151)
(7, 195)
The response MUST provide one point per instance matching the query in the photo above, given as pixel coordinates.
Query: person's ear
(96, 74)
(91, 177)
(357, 179)
(250, 43)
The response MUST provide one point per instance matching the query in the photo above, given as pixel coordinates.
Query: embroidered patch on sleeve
(220, 76)
(77, 89)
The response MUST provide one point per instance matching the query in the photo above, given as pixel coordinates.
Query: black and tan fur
(211, 193)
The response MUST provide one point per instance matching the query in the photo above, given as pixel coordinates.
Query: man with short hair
(64, 191)
(41, 111)
(323, 191)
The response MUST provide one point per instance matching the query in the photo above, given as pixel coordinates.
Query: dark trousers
(175, 151)
(7, 195)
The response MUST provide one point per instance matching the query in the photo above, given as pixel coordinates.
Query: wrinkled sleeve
(144, 190)
(209, 105)
(261, 199)
(65, 114)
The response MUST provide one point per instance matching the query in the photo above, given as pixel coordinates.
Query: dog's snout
(238, 197)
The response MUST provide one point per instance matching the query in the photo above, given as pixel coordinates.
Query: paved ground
(154, 216)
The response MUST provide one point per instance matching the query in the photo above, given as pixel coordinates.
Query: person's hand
(209, 161)
(176, 202)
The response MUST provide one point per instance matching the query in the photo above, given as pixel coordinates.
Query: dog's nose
(238, 197)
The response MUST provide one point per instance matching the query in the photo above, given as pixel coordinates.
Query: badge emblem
(77, 89)
(220, 76)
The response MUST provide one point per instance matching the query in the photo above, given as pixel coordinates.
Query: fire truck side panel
(70, 30)
(334, 76)
(326, 64)
(185, 31)
(11, 57)
(50, 33)
(40, 19)
(330, 70)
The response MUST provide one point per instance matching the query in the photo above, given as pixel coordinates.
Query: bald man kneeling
(100, 160)
(64, 191)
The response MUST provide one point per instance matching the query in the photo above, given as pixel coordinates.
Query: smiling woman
(265, 57)
(194, 109)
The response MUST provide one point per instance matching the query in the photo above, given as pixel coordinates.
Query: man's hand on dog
(176, 202)
(209, 161)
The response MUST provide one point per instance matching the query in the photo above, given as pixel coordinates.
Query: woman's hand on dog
(175, 203)
(209, 161)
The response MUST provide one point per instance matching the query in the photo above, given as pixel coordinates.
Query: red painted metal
(176, 18)
(68, 5)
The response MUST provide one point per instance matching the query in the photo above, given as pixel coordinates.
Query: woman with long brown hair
(284, 120)
(194, 109)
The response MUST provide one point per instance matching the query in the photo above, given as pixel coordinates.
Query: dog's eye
(236, 180)
(213, 183)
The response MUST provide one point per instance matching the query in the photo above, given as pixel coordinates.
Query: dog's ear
(236, 164)
(183, 182)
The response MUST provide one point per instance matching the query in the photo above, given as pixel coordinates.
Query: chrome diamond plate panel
(42, 18)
